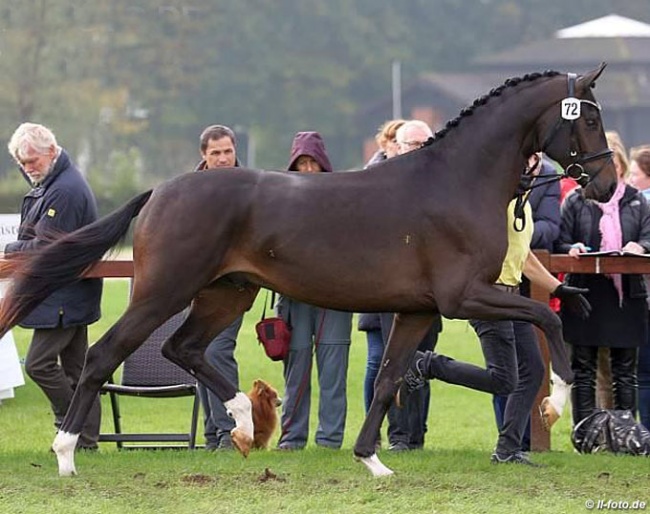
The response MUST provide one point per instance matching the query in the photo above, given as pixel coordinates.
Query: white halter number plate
(570, 108)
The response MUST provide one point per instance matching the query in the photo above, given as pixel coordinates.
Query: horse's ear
(589, 79)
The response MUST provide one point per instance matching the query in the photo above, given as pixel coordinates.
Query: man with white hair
(60, 201)
(412, 135)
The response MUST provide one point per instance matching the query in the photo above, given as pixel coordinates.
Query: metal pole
(397, 89)
(250, 153)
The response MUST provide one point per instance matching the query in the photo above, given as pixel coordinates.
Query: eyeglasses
(411, 144)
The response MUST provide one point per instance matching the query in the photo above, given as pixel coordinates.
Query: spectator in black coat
(59, 201)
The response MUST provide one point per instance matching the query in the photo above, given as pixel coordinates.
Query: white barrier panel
(11, 374)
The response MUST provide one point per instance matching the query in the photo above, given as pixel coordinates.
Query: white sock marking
(375, 466)
(64, 445)
(240, 409)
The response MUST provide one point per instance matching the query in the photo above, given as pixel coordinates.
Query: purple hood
(312, 144)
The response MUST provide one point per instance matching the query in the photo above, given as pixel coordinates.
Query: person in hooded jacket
(59, 201)
(323, 333)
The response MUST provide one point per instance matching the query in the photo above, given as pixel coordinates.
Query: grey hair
(417, 125)
(31, 135)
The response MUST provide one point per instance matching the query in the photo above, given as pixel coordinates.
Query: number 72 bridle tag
(570, 108)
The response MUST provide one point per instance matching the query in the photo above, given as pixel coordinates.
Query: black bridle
(574, 170)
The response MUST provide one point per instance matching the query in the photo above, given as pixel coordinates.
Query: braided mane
(469, 110)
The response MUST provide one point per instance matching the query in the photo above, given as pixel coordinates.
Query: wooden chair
(147, 374)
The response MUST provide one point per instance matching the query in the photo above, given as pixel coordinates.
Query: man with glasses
(412, 135)
(408, 425)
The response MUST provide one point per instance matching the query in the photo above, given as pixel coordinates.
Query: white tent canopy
(612, 25)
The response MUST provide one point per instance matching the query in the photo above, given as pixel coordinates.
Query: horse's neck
(488, 150)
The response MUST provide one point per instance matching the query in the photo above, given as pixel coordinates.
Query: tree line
(128, 86)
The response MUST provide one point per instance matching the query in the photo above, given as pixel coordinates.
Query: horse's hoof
(375, 466)
(548, 414)
(240, 409)
(242, 442)
(64, 445)
(67, 471)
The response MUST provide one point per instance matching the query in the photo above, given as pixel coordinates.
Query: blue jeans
(375, 353)
(499, 404)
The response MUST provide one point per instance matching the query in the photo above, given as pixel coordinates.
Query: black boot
(583, 391)
(624, 379)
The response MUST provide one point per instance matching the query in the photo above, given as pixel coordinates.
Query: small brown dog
(265, 402)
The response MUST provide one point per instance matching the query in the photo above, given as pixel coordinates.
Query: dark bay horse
(422, 235)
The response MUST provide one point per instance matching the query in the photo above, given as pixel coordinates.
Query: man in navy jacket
(60, 201)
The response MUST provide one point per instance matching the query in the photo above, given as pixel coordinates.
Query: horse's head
(571, 133)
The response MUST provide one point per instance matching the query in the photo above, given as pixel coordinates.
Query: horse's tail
(37, 274)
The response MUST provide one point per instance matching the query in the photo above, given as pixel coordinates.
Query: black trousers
(409, 424)
(584, 362)
(54, 361)
(513, 368)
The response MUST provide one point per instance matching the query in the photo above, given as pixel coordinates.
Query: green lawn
(451, 475)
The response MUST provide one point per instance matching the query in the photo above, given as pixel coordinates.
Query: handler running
(514, 365)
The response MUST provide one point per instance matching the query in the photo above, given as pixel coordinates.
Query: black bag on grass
(615, 431)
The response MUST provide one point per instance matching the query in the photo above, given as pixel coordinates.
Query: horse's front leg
(408, 330)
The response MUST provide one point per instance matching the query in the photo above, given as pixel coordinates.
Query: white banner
(11, 374)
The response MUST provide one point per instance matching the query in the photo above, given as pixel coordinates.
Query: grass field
(452, 474)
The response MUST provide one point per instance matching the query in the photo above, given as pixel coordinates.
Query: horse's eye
(591, 123)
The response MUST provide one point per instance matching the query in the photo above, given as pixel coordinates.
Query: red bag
(274, 334)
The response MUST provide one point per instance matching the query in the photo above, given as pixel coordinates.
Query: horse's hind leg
(486, 302)
(213, 310)
(408, 330)
(102, 359)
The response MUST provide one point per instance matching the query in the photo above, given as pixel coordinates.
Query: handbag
(274, 334)
(611, 430)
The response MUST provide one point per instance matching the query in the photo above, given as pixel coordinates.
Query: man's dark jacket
(62, 203)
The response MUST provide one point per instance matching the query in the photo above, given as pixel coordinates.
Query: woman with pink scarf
(619, 316)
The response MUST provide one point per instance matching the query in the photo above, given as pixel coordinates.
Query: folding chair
(146, 373)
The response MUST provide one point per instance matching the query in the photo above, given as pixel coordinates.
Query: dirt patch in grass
(198, 479)
(269, 475)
